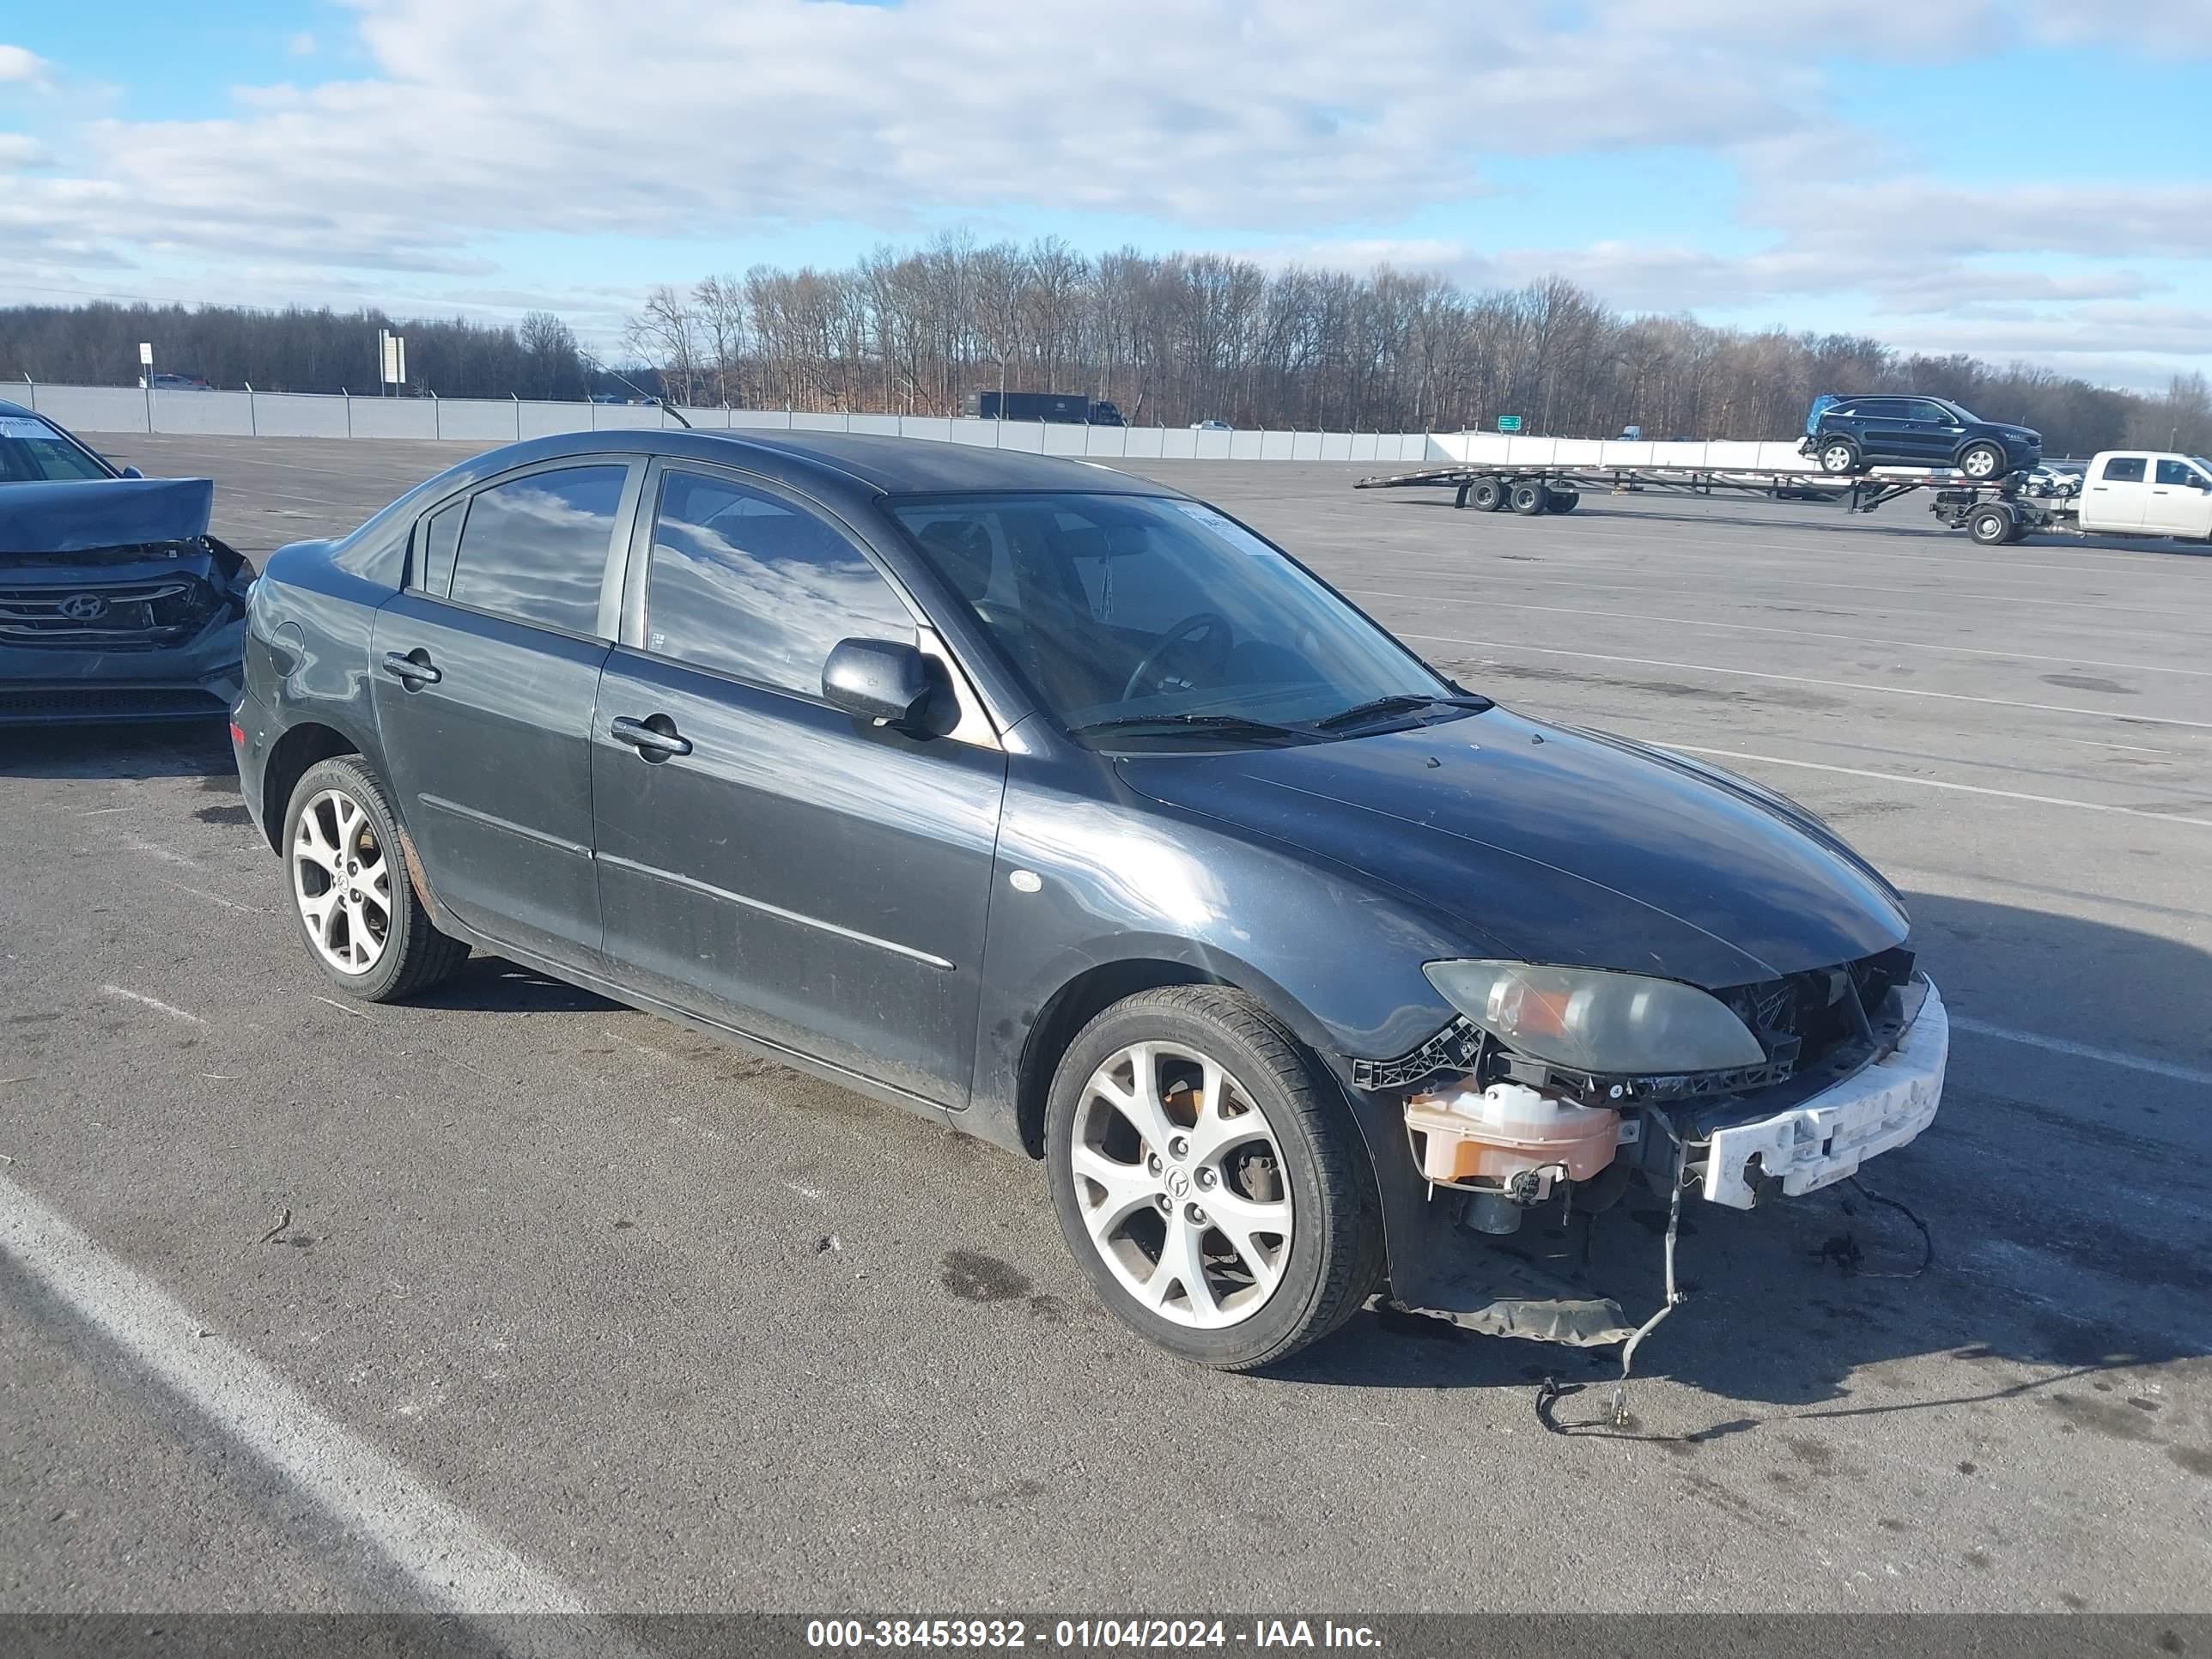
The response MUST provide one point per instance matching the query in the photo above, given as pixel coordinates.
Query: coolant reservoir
(1495, 1133)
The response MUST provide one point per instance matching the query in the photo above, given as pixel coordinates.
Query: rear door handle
(650, 745)
(415, 671)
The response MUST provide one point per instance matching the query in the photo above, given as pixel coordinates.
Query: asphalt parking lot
(607, 1312)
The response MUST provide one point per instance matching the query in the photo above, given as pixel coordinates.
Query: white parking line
(155, 1003)
(2085, 1051)
(449, 1559)
(1486, 603)
(1902, 596)
(1940, 553)
(1805, 680)
(1932, 783)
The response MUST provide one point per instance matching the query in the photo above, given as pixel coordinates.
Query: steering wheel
(1211, 622)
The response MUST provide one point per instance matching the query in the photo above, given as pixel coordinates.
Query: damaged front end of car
(1558, 1090)
(116, 604)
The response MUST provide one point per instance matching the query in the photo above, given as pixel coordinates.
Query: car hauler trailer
(2135, 493)
(1531, 488)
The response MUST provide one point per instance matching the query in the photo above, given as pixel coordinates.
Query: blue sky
(2020, 178)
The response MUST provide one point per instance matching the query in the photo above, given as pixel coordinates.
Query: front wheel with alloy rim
(1981, 460)
(360, 917)
(1209, 1179)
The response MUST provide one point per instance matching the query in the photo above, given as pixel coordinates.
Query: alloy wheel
(1179, 1179)
(1978, 463)
(1836, 458)
(342, 881)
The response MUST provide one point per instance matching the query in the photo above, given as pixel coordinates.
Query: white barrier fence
(489, 420)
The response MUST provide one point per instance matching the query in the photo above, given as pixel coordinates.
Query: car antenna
(599, 367)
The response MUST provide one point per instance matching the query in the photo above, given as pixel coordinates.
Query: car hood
(1559, 846)
(78, 515)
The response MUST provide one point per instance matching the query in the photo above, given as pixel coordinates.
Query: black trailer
(1991, 512)
(1065, 408)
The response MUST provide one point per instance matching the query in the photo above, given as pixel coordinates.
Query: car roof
(6, 408)
(894, 467)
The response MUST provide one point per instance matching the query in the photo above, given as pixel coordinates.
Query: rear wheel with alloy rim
(1209, 1179)
(1992, 525)
(1487, 495)
(1530, 499)
(1839, 455)
(359, 913)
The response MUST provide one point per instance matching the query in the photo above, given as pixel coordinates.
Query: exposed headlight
(1592, 1021)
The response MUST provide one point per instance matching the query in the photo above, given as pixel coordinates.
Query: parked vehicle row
(1054, 804)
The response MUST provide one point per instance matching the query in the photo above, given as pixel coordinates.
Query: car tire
(375, 940)
(1529, 499)
(1131, 1199)
(1982, 461)
(1839, 456)
(1564, 500)
(1992, 525)
(1487, 495)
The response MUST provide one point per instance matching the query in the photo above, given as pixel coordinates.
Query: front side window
(2124, 469)
(751, 586)
(1935, 413)
(1120, 608)
(33, 452)
(2178, 472)
(535, 548)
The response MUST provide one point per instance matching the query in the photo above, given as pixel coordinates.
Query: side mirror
(880, 680)
(132, 472)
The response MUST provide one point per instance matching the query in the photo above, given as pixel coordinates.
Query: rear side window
(2124, 468)
(753, 587)
(535, 548)
(2177, 472)
(442, 538)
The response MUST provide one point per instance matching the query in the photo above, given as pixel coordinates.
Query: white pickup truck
(2125, 492)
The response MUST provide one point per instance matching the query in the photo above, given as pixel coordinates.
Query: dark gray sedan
(1051, 802)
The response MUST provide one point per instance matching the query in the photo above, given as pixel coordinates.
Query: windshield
(1136, 612)
(1965, 417)
(31, 452)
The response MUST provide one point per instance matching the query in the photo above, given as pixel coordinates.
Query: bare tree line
(1180, 337)
(1169, 339)
(293, 350)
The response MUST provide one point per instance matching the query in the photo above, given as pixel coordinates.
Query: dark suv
(1047, 802)
(1848, 434)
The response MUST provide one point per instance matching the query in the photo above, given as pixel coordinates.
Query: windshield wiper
(1170, 725)
(1398, 702)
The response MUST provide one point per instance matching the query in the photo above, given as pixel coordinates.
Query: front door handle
(650, 744)
(416, 670)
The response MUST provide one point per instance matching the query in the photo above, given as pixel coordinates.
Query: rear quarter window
(535, 548)
(2124, 468)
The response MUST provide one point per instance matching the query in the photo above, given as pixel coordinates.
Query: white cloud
(1237, 120)
(19, 150)
(2160, 27)
(20, 66)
